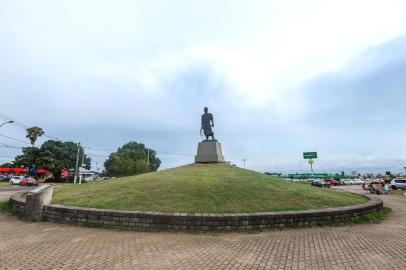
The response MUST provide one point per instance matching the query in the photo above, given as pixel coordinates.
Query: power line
(15, 139)
(98, 149)
(11, 146)
(16, 123)
(51, 137)
(158, 151)
(23, 126)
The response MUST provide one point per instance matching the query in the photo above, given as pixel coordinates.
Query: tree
(132, 159)
(6, 165)
(52, 155)
(33, 133)
(28, 158)
(57, 155)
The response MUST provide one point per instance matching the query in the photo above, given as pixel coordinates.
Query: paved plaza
(45, 245)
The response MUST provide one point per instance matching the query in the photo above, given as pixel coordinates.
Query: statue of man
(207, 124)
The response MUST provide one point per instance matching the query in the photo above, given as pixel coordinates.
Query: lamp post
(2, 124)
(8, 122)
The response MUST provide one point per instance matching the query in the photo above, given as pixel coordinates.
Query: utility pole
(244, 160)
(76, 166)
(311, 161)
(81, 167)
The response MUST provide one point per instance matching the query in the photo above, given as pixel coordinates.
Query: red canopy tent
(21, 170)
(5, 170)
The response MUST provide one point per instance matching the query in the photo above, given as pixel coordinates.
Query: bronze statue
(207, 124)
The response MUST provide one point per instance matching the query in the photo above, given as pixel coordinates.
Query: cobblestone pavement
(46, 245)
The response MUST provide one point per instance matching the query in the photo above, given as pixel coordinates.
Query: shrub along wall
(199, 221)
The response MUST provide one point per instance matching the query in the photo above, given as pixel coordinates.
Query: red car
(332, 182)
(29, 182)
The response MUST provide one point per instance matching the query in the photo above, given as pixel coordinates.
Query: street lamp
(8, 122)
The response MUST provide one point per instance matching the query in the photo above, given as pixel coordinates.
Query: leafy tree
(33, 133)
(131, 159)
(52, 155)
(6, 165)
(28, 158)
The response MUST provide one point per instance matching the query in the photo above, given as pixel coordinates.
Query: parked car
(332, 182)
(29, 182)
(16, 180)
(4, 178)
(357, 181)
(398, 184)
(320, 183)
(347, 182)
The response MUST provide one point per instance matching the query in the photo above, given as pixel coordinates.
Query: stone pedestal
(35, 200)
(209, 152)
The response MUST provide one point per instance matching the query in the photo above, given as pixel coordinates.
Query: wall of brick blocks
(17, 203)
(201, 221)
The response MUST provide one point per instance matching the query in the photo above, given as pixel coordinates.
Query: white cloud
(155, 62)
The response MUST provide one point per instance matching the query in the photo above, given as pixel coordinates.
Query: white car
(357, 181)
(15, 180)
(347, 182)
(398, 184)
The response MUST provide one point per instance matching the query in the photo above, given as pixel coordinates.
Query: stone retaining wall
(17, 203)
(198, 221)
(31, 207)
(35, 201)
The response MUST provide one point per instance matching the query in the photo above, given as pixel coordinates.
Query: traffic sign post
(310, 156)
(311, 161)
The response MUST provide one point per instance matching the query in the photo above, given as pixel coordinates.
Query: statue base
(209, 152)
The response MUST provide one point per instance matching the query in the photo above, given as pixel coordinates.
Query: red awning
(5, 170)
(20, 170)
(25, 170)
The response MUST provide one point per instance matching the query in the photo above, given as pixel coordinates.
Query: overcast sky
(280, 77)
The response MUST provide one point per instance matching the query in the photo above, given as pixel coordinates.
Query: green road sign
(309, 155)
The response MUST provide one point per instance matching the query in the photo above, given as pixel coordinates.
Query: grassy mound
(212, 188)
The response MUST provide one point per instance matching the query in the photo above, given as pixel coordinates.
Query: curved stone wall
(199, 221)
(17, 203)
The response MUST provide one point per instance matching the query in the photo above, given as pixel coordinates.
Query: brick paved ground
(45, 245)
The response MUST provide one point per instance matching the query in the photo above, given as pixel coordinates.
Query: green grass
(374, 217)
(4, 184)
(398, 192)
(4, 207)
(212, 188)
